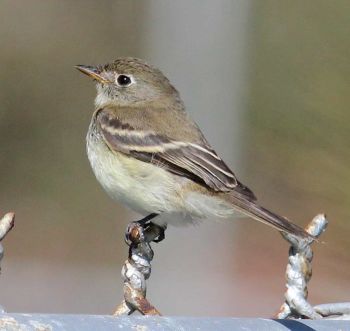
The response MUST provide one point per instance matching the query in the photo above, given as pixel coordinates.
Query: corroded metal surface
(298, 274)
(137, 269)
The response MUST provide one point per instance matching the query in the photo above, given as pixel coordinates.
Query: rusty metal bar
(299, 271)
(137, 269)
(298, 274)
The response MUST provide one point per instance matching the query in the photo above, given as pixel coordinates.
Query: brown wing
(198, 162)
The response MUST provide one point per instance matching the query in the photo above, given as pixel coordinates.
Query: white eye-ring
(124, 80)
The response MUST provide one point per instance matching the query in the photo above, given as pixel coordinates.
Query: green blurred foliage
(299, 119)
(297, 129)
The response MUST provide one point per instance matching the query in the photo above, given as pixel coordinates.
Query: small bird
(149, 154)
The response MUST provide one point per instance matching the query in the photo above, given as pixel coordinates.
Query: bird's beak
(93, 72)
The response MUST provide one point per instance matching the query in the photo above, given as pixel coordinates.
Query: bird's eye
(124, 80)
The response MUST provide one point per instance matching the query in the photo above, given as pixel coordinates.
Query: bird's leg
(154, 232)
(147, 220)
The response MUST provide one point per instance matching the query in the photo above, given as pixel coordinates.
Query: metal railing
(295, 313)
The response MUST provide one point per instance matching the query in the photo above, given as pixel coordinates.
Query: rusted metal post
(299, 272)
(137, 269)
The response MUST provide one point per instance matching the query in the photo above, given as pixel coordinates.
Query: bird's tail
(252, 209)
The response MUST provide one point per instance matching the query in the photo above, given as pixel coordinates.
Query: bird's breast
(143, 187)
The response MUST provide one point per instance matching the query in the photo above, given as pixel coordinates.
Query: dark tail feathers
(263, 215)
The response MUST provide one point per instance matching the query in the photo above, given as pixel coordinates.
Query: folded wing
(198, 162)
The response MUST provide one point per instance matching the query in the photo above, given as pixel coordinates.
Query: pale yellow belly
(141, 186)
(147, 188)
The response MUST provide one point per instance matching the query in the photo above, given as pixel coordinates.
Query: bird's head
(129, 82)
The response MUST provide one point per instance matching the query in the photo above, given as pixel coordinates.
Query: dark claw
(161, 235)
(135, 230)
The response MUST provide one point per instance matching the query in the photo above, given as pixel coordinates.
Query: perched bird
(149, 154)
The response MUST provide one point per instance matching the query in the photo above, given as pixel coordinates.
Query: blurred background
(268, 82)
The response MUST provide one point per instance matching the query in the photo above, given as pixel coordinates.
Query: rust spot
(135, 234)
(145, 307)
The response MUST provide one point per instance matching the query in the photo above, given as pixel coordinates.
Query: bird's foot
(161, 230)
(144, 230)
